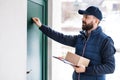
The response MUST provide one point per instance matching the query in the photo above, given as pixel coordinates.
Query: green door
(36, 41)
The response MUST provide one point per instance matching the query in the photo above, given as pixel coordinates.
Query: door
(36, 41)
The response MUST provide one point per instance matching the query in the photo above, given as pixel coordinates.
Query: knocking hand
(37, 21)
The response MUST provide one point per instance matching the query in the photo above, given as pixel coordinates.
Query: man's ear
(97, 21)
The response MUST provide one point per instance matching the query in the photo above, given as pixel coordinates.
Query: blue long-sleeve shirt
(99, 49)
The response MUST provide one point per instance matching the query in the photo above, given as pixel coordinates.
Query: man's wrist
(40, 25)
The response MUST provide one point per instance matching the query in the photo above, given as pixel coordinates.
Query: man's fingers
(35, 19)
(82, 66)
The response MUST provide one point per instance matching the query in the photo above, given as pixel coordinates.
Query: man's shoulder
(104, 36)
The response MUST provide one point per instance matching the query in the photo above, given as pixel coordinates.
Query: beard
(86, 26)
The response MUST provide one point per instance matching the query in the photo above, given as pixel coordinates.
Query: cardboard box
(76, 59)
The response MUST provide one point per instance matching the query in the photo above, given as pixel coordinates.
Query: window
(68, 21)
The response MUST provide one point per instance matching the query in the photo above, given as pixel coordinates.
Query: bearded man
(91, 43)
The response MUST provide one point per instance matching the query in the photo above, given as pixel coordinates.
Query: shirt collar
(94, 32)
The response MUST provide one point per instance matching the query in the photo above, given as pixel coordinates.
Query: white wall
(13, 31)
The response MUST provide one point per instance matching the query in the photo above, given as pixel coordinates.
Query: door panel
(35, 41)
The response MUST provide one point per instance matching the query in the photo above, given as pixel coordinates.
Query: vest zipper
(83, 52)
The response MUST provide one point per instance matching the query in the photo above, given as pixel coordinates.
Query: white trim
(50, 41)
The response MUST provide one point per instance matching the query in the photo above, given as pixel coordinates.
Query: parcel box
(76, 59)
